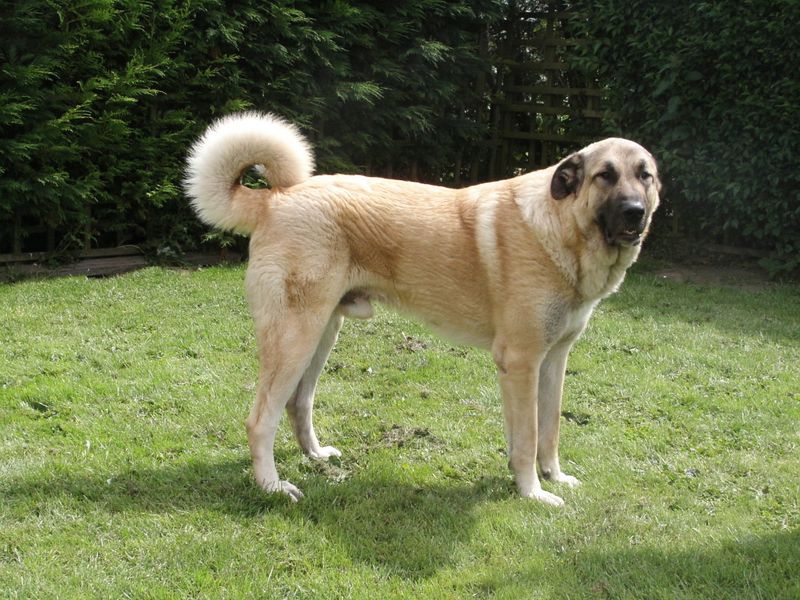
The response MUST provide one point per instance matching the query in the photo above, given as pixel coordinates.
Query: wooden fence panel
(541, 109)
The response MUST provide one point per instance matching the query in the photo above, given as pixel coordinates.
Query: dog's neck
(576, 254)
(599, 282)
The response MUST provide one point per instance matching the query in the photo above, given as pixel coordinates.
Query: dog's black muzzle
(622, 220)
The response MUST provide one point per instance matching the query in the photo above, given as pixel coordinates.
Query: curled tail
(226, 150)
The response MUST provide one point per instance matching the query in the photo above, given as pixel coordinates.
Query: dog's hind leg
(286, 350)
(301, 403)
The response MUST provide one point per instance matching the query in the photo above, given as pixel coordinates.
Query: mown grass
(124, 469)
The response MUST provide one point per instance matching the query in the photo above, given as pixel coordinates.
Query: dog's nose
(632, 210)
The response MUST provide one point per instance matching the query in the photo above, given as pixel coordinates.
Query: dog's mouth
(629, 237)
(620, 234)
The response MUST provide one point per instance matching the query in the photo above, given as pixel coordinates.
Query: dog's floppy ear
(568, 177)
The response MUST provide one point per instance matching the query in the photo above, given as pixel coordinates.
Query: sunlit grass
(124, 469)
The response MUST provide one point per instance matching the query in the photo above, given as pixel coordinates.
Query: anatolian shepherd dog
(514, 266)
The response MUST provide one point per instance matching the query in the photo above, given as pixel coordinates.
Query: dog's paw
(546, 498)
(566, 479)
(324, 453)
(283, 487)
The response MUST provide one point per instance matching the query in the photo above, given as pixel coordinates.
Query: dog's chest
(565, 323)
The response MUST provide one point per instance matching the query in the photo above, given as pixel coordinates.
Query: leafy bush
(712, 88)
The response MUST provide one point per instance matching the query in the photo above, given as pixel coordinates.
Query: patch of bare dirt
(744, 277)
(399, 435)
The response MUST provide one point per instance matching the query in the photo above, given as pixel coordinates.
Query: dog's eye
(607, 176)
(646, 176)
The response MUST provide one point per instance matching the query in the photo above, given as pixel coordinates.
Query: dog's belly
(464, 337)
(455, 321)
(458, 320)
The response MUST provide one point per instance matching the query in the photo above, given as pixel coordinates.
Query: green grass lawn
(124, 469)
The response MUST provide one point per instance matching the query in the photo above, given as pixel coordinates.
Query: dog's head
(614, 184)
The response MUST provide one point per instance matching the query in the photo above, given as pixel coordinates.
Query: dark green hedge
(99, 100)
(85, 118)
(713, 89)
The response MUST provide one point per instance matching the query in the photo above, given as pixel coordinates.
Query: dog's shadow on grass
(410, 529)
(413, 530)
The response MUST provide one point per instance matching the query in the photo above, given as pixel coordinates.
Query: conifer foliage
(100, 99)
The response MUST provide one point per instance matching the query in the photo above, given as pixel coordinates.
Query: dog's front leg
(551, 385)
(519, 374)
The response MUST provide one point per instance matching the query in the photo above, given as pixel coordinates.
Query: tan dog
(514, 266)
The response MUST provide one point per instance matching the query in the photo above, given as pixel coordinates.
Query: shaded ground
(704, 264)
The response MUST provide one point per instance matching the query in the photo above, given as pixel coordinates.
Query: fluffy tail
(226, 150)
